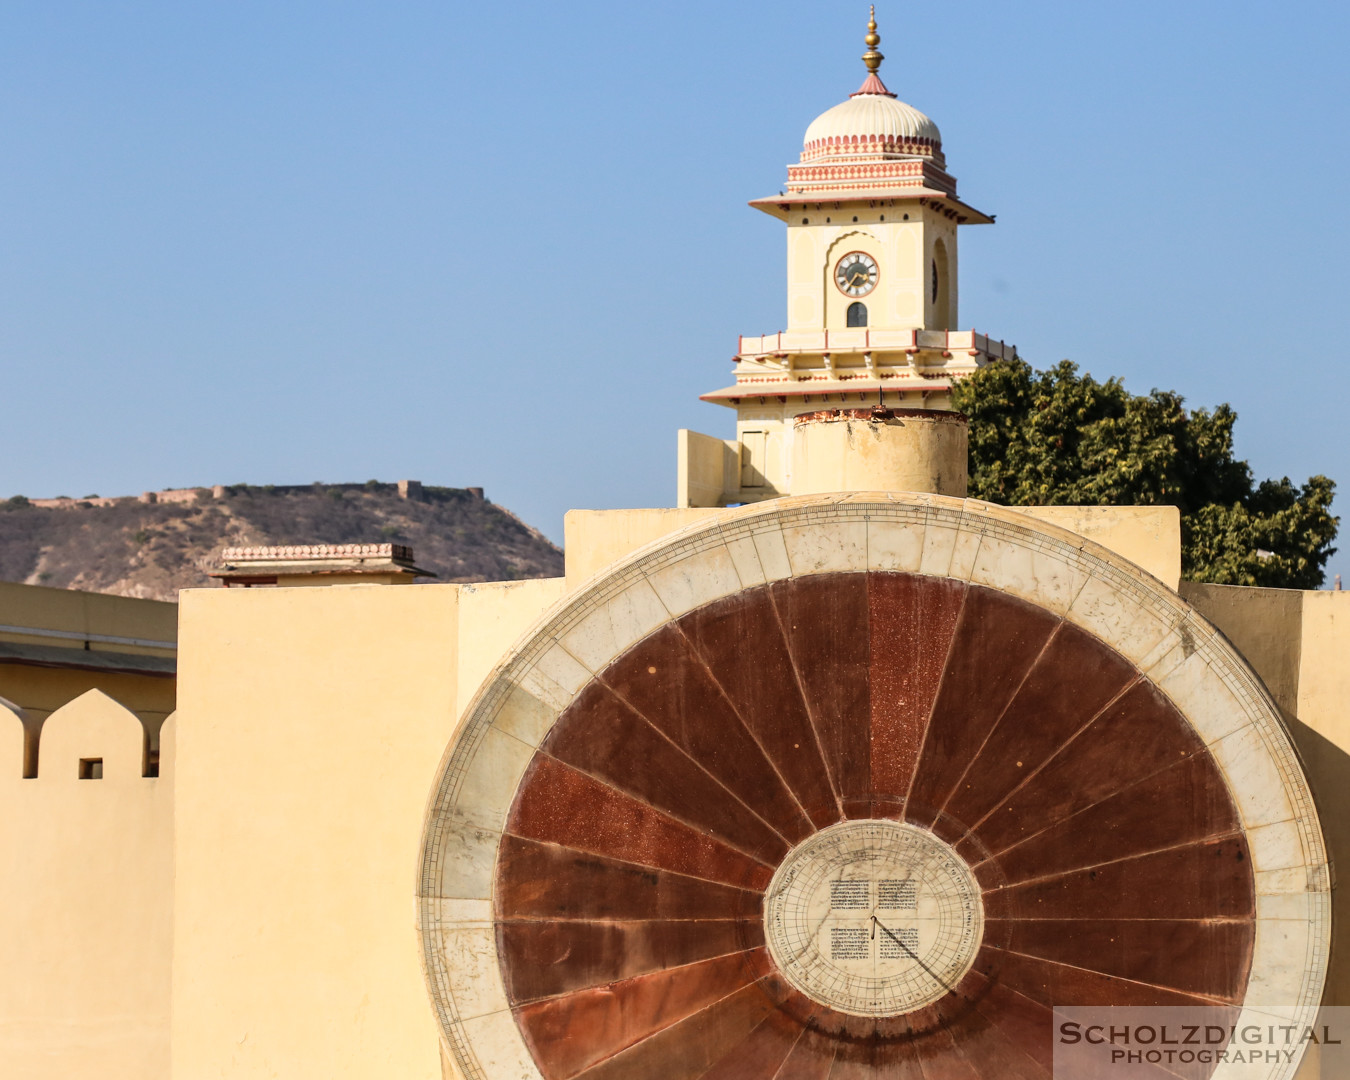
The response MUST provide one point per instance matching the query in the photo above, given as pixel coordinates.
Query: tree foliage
(1060, 438)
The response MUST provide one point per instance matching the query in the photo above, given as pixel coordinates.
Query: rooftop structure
(318, 564)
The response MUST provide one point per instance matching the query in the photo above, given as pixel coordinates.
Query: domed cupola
(872, 124)
(872, 140)
(875, 126)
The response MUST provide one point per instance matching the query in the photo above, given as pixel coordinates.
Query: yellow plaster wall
(775, 452)
(1324, 668)
(899, 298)
(86, 891)
(1299, 643)
(1149, 536)
(1265, 625)
(899, 236)
(492, 616)
(704, 465)
(1322, 733)
(42, 690)
(758, 459)
(593, 539)
(940, 245)
(11, 737)
(805, 295)
(312, 722)
(99, 614)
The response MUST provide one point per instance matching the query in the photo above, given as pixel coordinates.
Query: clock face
(873, 918)
(856, 274)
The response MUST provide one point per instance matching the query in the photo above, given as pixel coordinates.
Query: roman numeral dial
(856, 274)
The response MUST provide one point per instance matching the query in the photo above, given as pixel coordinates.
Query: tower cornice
(781, 206)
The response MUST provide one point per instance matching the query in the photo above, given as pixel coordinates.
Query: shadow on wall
(1328, 769)
(1268, 627)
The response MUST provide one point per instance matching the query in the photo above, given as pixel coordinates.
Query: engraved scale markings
(874, 918)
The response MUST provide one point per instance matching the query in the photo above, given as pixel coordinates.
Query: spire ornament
(872, 84)
(871, 57)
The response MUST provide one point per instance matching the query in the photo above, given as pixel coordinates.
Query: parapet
(92, 738)
(318, 564)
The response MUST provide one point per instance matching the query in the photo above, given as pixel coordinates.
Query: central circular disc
(873, 918)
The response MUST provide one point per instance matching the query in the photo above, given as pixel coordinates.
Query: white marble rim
(742, 548)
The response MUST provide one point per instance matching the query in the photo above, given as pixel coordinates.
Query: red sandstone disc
(869, 822)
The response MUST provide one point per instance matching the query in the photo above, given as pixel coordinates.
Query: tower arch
(838, 300)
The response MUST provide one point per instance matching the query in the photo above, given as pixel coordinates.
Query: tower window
(91, 768)
(857, 314)
(935, 282)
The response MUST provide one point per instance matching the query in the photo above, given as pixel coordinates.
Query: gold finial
(871, 57)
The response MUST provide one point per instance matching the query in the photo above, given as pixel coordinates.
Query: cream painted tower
(872, 219)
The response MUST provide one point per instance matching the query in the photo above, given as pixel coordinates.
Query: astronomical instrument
(868, 784)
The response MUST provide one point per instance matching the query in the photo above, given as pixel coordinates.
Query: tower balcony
(787, 342)
(796, 366)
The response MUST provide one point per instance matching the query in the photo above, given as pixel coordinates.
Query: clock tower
(855, 392)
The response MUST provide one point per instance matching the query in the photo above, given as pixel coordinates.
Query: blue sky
(508, 245)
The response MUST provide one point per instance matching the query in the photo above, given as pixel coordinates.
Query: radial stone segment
(861, 787)
(873, 918)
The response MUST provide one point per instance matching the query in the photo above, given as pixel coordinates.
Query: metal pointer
(913, 955)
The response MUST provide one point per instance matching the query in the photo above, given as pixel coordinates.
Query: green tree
(1060, 438)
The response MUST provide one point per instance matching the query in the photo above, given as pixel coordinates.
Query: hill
(155, 544)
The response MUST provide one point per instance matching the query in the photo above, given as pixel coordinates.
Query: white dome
(871, 124)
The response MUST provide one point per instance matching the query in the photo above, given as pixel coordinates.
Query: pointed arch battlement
(91, 729)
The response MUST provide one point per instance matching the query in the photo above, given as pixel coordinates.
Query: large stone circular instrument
(857, 786)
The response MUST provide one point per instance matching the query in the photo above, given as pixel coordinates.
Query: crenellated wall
(86, 893)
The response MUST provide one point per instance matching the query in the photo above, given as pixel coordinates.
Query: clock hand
(913, 955)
